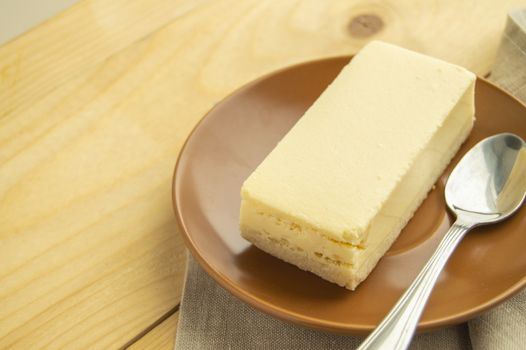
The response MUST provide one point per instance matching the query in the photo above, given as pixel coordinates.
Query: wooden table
(94, 107)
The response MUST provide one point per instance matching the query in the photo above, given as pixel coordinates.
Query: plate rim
(290, 316)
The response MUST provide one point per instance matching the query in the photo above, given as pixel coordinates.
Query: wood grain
(80, 37)
(160, 338)
(95, 106)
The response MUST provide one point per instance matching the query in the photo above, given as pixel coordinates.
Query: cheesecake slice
(337, 190)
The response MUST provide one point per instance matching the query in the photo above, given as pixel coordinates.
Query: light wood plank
(161, 337)
(89, 255)
(89, 32)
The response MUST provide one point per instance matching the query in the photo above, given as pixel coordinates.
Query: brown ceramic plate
(235, 136)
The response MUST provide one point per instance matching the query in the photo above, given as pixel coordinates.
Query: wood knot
(365, 25)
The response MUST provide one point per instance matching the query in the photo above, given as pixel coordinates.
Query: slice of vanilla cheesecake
(337, 190)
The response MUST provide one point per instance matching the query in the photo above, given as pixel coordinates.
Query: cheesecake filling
(337, 190)
(270, 226)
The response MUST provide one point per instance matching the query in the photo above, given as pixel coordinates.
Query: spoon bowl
(487, 183)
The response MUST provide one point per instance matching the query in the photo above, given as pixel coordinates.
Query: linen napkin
(211, 318)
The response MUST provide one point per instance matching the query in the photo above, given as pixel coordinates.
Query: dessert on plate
(337, 190)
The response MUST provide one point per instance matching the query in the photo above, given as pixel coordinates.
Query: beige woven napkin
(211, 318)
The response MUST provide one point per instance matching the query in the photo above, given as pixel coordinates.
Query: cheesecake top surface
(342, 160)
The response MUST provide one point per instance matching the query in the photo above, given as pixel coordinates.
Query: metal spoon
(487, 186)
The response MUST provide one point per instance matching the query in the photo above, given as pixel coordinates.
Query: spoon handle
(397, 328)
